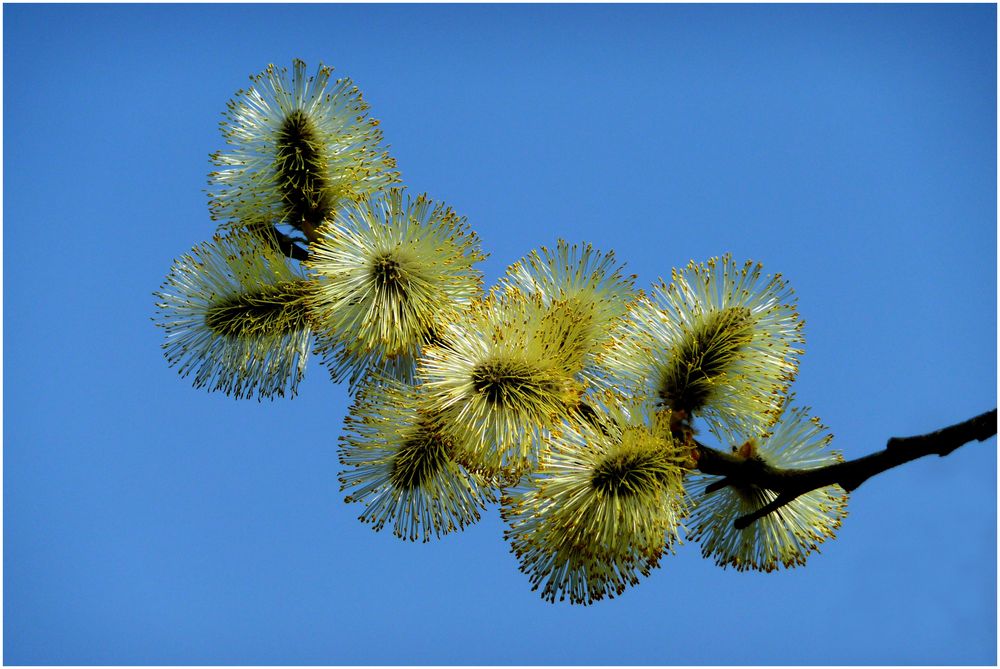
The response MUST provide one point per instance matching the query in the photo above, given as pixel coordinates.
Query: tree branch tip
(988, 421)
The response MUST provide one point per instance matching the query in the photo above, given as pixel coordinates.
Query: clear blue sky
(851, 148)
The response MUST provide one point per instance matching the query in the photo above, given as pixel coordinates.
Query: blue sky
(850, 148)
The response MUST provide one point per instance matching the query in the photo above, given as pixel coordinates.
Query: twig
(790, 483)
(287, 245)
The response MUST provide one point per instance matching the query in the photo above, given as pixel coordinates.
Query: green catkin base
(630, 473)
(270, 310)
(419, 459)
(301, 170)
(502, 381)
(388, 277)
(702, 356)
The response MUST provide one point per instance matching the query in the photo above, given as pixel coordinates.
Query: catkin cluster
(563, 392)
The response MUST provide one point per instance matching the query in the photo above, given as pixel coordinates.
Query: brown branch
(790, 483)
(286, 244)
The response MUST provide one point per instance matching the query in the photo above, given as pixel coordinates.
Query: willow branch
(790, 483)
(287, 245)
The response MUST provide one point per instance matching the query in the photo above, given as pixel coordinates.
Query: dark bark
(790, 483)
(287, 245)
